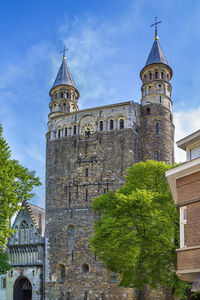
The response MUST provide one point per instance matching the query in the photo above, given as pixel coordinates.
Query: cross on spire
(63, 51)
(155, 24)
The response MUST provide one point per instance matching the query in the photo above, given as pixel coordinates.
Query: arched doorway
(22, 289)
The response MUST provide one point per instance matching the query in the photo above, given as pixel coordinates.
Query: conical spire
(64, 76)
(156, 54)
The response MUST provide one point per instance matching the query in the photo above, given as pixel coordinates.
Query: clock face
(87, 130)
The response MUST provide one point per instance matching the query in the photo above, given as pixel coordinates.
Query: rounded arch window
(85, 268)
(150, 75)
(162, 75)
(24, 230)
(55, 96)
(111, 124)
(149, 88)
(156, 74)
(167, 76)
(71, 229)
(148, 111)
(101, 125)
(68, 95)
(121, 123)
(61, 94)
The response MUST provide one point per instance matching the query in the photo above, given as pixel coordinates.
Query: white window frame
(183, 224)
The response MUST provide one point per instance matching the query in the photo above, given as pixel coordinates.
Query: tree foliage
(138, 225)
(16, 183)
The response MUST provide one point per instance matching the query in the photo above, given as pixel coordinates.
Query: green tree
(16, 183)
(137, 228)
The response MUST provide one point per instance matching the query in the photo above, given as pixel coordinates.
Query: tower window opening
(59, 133)
(150, 76)
(157, 128)
(64, 106)
(121, 123)
(65, 131)
(162, 75)
(74, 129)
(86, 195)
(113, 277)
(68, 95)
(85, 295)
(148, 111)
(156, 75)
(86, 172)
(149, 88)
(111, 124)
(101, 125)
(55, 96)
(160, 99)
(61, 95)
(85, 268)
(170, 117)
(145, 76)
(62, 274)
(167, 76)
(157, 155)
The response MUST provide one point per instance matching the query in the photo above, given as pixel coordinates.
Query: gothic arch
(22, 289)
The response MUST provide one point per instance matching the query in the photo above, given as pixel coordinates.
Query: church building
(87, 154)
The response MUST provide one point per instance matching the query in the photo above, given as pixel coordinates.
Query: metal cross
(155, 24)
(63, 51)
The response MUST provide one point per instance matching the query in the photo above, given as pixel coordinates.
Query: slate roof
(36, 212)
(64, 76)
(156, 55)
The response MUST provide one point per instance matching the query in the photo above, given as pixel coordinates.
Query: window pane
(195, 152)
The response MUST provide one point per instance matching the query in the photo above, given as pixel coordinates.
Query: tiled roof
(156, 54)
(64, 76)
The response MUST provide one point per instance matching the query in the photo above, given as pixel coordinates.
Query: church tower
(156, 127)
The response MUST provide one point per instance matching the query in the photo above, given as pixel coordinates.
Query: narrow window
(65, 131)
(68, 95)
(59, 133)
(113, 277)
(183, 227)
(64, 106)
(150, 76)
(160, 99)
(111, 124)
(62, 274)
(157, 155)
(170, 117)
(56, 96)
(86, 172)
(156, 75)
(149, 88)
(101, 126)
(162, 75)
(3, 283)
(157, 128)
(61, 95)
(121, 123)
(74, 130)
(86, 195)
(85, 295)
(148, 111)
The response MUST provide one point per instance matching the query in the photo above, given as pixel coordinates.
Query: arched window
(65, 131)
(100, 125)
(85, 268)
(62, 274)
(24, 231)
(167, 76)
(111, 124)
(74, 129)
(156, 74)
(121, 124)
(71, 230)
(55, 96)
(148, 111)
(59, 133)
(68, 94)
(149, 88)
(162, 75)
(61, 94)
(64, 106)
(150, 75)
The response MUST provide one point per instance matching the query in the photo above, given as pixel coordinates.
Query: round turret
(157, 129)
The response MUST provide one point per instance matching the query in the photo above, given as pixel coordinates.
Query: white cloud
(186, 122)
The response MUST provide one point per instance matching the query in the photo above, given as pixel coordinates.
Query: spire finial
(156, 29)
(63, 51)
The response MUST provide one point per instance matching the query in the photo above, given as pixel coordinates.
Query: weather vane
(155, 24)
(63, 51)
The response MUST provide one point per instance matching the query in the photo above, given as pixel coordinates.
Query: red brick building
(184, 182)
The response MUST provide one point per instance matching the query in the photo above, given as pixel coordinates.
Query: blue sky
(109, 42)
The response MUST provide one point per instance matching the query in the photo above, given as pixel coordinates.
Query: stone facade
(26, 255)
(87, 154)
